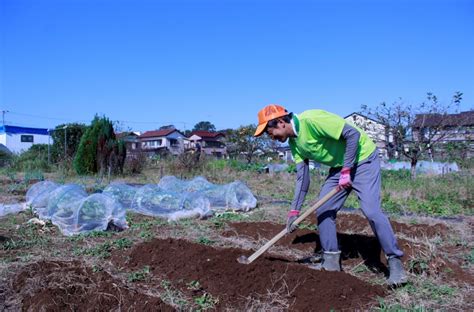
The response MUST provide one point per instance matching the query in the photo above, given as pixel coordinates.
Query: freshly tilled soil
(238, 285)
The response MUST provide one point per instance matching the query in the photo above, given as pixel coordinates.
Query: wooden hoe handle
(270, 243)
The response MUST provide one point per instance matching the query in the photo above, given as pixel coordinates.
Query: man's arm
(301, 189)
(351, 136)
(302, 184)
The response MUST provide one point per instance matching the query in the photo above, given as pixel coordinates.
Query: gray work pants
(366, 182)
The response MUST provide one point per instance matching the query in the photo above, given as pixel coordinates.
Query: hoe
(255, 255)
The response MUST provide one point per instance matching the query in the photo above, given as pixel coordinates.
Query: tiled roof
(206, 134)
(449, 120)
(157, 133)
(120, 135)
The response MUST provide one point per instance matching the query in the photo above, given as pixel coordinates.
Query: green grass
(206, 301)
(435, 291)
(470, 257)
(173, 296)
(92, 234)
(104, 250)
(101, 251)
(123, 243)
(140, 275)
(220, 219)
(28, 237)
(193, 285)
(205, 241)
(384, 307)
(145, 234)
(446, 195)
(307, 226)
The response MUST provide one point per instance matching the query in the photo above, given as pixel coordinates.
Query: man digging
(327, 138)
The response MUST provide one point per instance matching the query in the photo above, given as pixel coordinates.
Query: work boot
(314, 258)
(397, 272)
(331, 261)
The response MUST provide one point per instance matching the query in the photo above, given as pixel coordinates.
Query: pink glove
(292, 216)
(345, 178)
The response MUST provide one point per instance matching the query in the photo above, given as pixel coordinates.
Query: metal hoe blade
(243, 260)
(255, 255)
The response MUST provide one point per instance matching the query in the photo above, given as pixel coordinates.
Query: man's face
(278, 131)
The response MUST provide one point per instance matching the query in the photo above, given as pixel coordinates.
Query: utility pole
(49, 147)
(65, 141)
(3, 116)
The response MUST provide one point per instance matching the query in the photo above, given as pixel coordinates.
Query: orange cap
(268, 113)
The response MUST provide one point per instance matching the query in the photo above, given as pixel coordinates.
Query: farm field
(191, 264)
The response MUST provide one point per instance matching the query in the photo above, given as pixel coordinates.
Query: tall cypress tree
(99, 150)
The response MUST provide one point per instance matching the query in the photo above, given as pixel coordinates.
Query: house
(457, 129)
(132, 141)
(211, 143)
(284, 153)
(19, 139)
(374, 129)
(162, 142)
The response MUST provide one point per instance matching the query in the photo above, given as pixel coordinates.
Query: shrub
(73, 133)
(135, 164)
(187, 164)
(35, 158)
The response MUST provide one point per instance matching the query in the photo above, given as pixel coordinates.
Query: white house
(165, 140)
(20, 139)
(374, 129)
(212, 143)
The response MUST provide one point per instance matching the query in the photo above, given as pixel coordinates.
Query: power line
(43, 117)
(184, 123)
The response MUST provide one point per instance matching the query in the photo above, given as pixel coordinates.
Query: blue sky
(150, 63)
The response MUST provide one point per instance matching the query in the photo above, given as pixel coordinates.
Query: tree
(99, 150)
(66, 135)
(166, 127)
(407, 124)
(204, 126)
(242, 142)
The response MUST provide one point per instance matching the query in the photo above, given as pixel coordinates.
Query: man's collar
(295, 123)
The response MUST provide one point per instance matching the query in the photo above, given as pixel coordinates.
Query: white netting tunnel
(235, 195)
(74, 211)
(154, 201)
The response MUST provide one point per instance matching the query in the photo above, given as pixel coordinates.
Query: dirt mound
(346, 223)
(302, 239)
(242, 286)
(357, 247)
(357, 223)
(69, 286)
(353, 246)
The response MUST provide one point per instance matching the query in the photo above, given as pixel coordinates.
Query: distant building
(374, 129)
(451, 128)
(284, 153)
(132, 141)
(212, 143)
(19, 139)
(162, 142)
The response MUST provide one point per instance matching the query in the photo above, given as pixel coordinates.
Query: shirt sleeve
(302, 185)
(351, 136)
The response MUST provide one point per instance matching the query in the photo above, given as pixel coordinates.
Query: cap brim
(260, 129)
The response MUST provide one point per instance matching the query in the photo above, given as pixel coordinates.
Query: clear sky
(150, 63)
